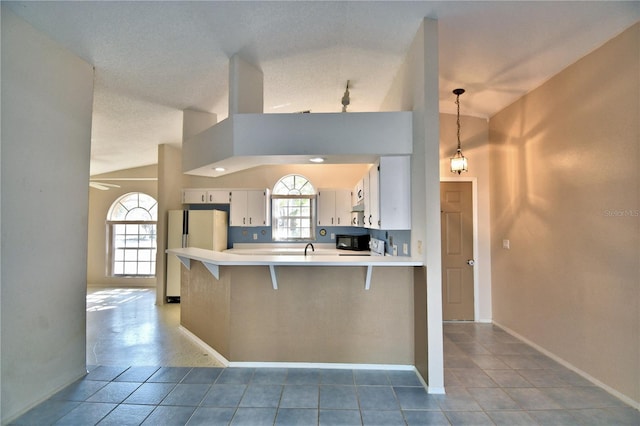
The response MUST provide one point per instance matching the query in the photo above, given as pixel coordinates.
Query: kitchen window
(131, 236)
(293, 203)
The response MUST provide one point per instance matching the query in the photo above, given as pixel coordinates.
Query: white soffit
(248, 140)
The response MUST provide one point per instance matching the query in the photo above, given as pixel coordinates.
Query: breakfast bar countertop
(212, 260)
(234, 258)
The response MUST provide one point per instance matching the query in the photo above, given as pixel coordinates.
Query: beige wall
(474, 138)
(99, 204)
(565, 190)
(47, 97)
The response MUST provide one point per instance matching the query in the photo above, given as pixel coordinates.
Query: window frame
(112, 248)
(276, 208)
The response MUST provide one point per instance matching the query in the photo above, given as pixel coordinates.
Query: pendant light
(458, 161)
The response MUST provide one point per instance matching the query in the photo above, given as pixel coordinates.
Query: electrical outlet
(255, 236)
(419, 246)
(405, 249)
(395, 250)
(506, 244)
(333, 236)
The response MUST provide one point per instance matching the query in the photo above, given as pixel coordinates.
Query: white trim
(617, 394)
(93, 179)
(476, 273)
(321, 365)
(215, 354)
(324, 365)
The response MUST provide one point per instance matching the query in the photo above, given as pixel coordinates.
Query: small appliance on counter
(377, 247)
(352, 242)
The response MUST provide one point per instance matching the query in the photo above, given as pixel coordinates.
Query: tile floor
(490, 377)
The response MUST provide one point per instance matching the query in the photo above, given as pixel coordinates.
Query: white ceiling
(154, 59)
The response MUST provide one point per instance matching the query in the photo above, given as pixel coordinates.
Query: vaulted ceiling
(154, 59)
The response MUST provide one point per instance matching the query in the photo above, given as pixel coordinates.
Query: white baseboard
(324, 365)
(434, 390)
(622, 397)
(212, 352)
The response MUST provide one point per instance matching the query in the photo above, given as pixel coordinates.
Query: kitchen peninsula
(300, 309)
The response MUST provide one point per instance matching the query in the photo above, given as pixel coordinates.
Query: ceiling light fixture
(458, 161)
(219, 169)
(317, 160)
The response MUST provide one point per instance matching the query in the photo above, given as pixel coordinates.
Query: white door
(174, 240)
(374, 196)
(256, 208)
(201, 229)
(238, 209)
(326, 207)
(343, 207)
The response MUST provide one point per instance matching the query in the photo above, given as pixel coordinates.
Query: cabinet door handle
(370, 223)
(203, 198)
(338, 221)
(244, 220)
(249, 221)
(332, 221)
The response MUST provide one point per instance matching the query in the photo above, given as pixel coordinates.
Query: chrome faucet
(307, 246)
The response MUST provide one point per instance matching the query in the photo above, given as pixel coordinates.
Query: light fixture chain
(458, 121)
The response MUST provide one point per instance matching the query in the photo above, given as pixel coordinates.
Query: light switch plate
(255, 236)
(395, 250)
(506, 244)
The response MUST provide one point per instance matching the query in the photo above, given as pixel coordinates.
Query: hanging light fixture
(458, 161)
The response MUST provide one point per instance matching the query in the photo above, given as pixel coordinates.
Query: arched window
(293, 209)
(131, 230)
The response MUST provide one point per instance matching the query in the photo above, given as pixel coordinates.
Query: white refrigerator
(205, 229)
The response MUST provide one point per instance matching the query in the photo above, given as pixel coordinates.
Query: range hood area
(242, 141)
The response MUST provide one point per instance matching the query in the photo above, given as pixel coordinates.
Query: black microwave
(352, 242)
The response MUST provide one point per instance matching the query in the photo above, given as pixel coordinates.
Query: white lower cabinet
(249, 208)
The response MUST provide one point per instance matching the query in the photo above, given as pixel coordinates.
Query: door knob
(471, 262)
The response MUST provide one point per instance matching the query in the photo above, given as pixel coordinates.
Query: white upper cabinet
(387, 192)
(194, 196)
(334, 207)
(218, 196)
(358, 193)
(249, 208)
(205, 196)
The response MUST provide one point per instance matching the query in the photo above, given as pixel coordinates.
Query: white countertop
(321, 257)
(212, 260)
